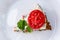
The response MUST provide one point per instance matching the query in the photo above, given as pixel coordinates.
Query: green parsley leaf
(28, 28)
(21, 24)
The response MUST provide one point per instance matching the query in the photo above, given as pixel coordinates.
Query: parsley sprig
(23, 25)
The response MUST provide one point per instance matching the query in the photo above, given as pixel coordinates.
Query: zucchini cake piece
(35, 20)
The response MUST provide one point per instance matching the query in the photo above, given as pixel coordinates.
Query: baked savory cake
(36, 20)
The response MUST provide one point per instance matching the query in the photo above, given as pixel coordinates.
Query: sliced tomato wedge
(36, 19)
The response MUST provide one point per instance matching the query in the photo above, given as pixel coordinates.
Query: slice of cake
(35, 20)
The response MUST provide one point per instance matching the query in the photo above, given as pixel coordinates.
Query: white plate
(22, 7)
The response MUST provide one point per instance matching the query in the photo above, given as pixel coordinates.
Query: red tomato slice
(36, 19)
